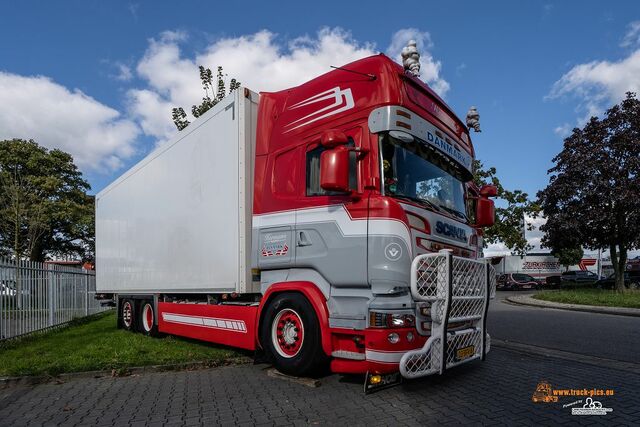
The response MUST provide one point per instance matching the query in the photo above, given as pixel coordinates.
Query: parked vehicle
(516, 282)
(8, 288)
(307, 223)
(553, 282)
(631, 280)
(578, 278)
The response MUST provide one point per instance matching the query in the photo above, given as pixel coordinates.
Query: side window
(313, 172)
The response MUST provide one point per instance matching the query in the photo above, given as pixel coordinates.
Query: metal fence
(36, 296)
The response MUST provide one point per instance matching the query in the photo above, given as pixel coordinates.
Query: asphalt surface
(600, 335)
(495, 392)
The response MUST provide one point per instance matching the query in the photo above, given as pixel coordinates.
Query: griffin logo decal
(342, 101)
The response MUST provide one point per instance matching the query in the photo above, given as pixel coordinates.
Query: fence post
(86, 293)
(51, 297)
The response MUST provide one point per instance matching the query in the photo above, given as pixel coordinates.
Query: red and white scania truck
(334, 223)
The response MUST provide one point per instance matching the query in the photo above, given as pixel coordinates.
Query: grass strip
(96, 344)
(599, 297)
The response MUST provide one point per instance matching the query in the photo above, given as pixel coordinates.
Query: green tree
(511, 209)
(209, 99)
(44, 208)
(569, 256)
(593, 196)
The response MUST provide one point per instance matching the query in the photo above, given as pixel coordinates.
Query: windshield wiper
(417, 199)
(455, 212)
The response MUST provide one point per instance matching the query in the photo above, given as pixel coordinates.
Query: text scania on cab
(331, 224)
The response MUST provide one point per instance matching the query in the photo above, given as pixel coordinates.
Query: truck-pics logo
(342, 101)
(452, 231)
(591, 407)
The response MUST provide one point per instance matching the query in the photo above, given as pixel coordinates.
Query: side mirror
(488, 190)
(485, 212)
(332, 138)
(334, 169)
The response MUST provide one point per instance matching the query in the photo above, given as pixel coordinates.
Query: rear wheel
(146, 321)
(290, 335)
(127, 314)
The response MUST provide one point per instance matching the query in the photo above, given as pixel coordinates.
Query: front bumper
(457, 293)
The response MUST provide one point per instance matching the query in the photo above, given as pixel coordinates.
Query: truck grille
(458, 290)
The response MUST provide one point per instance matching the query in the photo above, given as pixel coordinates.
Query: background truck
(334, 223)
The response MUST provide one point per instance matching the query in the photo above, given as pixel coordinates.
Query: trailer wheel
(290, 334)
(146, 323)
(127, 314)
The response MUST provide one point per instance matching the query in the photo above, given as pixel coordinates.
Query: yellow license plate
(465, 352)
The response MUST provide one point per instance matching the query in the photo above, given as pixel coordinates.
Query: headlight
(390, 320)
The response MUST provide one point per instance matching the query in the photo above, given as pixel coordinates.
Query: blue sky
(96, 78)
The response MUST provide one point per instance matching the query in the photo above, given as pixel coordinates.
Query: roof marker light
(403, 114)
(403, 125)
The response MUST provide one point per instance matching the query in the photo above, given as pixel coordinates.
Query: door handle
(302, 239)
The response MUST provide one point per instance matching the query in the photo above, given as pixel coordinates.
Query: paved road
(600, 335)
(496, 392)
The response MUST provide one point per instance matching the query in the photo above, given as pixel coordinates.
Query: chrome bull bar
(457, 290)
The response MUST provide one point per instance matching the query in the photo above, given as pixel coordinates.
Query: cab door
(331, 227)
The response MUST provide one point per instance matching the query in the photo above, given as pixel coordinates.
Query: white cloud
(534, 238)
(496, 249)
(56, 117)
(124, 72)
(260, 61)
(563, 130)
(598, 85)
(633, 35)
(430, 69)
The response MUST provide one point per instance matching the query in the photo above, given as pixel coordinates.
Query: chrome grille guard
(457, 290)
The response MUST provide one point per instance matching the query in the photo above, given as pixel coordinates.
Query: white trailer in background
(539, 266)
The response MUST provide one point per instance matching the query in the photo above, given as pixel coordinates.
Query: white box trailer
(180, 220)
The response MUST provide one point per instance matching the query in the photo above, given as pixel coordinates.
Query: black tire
(146, 319)
(293, 350)
(127, 315)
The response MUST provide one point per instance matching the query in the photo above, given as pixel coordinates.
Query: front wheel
(290, 335)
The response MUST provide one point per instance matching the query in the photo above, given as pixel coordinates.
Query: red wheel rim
(147, 319)
(127, 314)
(287, 333)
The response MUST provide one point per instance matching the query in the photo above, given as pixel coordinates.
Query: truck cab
(358, 173)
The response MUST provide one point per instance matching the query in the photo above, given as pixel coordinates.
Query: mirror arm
(361, 151)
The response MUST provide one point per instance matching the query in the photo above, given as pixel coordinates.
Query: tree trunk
(619, 262)
(622, 260)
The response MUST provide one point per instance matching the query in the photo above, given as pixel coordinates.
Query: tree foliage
(511, 208)
(569, 256)
(45, 211)
(209, 99)
(593, 196)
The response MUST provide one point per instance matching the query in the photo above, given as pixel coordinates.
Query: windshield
(415, 171)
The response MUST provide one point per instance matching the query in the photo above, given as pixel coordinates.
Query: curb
(8, 382)
(618, 311)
